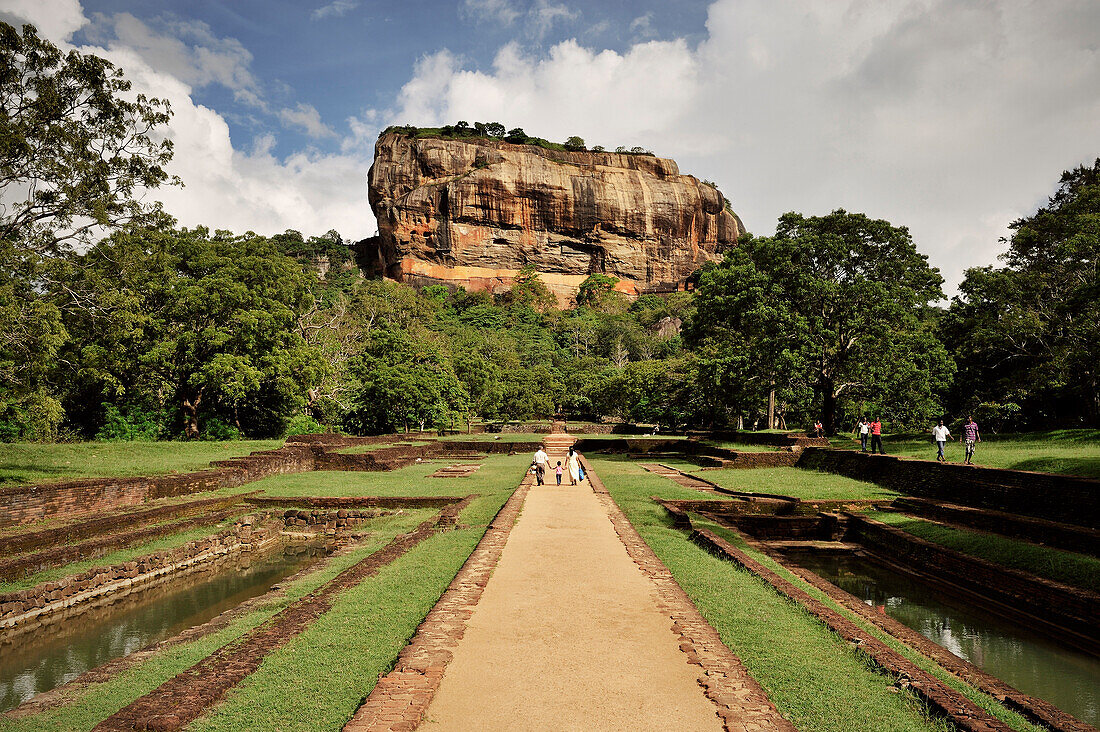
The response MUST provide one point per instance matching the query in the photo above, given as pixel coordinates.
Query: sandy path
(567, 635)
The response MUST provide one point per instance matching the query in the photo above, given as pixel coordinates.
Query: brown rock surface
(473, 212)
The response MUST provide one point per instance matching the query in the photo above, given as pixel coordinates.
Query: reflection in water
(1039, 666)
(45, 658)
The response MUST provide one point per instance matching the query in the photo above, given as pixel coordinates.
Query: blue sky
(342, 57)
(951, 117)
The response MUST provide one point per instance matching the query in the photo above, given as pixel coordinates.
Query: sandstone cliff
(473, 212)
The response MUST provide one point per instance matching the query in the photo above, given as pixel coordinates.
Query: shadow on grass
(1086, 467)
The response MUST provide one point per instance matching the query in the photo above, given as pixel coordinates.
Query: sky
(950, 117)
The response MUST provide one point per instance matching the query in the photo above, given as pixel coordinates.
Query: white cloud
(187, 50)
(229, 188)
(57, 19)
(503, 12)
(306, 118)
(948, 116)
(335, 9)
(539, 17)
(544, 15)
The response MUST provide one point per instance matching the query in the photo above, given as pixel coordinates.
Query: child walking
(558, 471)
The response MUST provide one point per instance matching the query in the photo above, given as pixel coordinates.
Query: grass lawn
(804, 484)
(1071, 452)
(368, 448)
(740, 446)
(28, 462)
(810, 674)
(1079, 570)
(814, 678)
(86, 707)
(318, 679)
(497, 437)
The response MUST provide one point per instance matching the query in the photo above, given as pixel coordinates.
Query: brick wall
(1056, 497)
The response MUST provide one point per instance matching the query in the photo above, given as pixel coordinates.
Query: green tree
(574, 143)
(75, 150)
(205, 324)
(596, 290)
(834, 303)
(1027, 335)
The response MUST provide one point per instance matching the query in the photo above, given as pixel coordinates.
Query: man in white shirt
(540, 465)
(864, 430)
(941, 434)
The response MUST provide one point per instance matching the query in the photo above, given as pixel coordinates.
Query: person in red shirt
(876, 436)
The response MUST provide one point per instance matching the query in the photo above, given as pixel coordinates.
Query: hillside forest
(117, 323)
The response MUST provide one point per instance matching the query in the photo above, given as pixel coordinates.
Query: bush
(303, 424)
(216, 430)
(574, 144)
(134, 424)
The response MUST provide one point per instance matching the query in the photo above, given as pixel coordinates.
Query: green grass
(1070, 452)
(497, 437)
(358, 449)
(804, 484)
(85, 708)
(741, 447)
(1079, 570)
(168, 540)
(318, 679)
(24, 462)
(812, 676)
(810, 673)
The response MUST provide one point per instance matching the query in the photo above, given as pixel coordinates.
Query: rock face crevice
(473, 212)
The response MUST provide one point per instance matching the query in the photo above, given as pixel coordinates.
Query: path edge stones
(400, 698)
(742, 704)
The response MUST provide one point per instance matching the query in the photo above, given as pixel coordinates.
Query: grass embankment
(169, 539)
(496, 437)
(317, 680)
(25, 462)
(1069, 452)
(1079, 570)
(814, 677)
(359, 449)
(740, 446)
(796, 482)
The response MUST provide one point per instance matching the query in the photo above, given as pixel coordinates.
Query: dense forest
(117, 323)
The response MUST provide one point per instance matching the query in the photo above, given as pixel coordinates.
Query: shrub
(216, 430)
(303, 424)
(133, 424)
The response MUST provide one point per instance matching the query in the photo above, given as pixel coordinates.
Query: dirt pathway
(568, 634)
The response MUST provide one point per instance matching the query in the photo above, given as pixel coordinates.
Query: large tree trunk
(191, 416)
(828, 407)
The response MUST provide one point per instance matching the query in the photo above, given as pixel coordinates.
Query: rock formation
(474, 211)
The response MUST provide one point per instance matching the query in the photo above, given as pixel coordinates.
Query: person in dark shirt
(971, 437)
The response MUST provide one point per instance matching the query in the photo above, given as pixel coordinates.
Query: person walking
(940, 434)
(970, 438)
(541, 458)
(558, 472)
(876, 436)
(864, 430)
(573, 464)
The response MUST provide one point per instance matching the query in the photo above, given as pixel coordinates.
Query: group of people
(871, 428)
(971, 437)
(573, 466)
